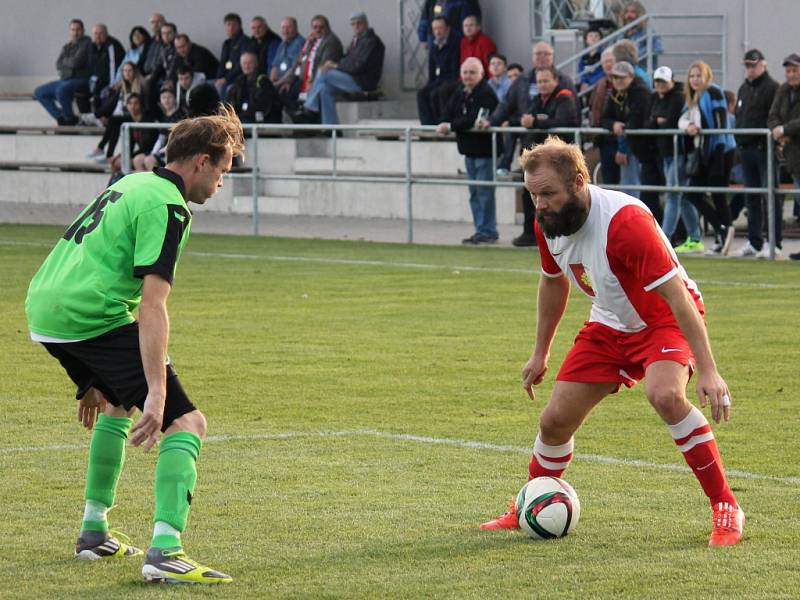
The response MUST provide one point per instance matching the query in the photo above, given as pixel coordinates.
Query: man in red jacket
(476, 43)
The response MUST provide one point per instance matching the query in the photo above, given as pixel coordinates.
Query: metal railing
(407, 178)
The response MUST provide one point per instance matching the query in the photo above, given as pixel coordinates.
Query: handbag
(695, 162)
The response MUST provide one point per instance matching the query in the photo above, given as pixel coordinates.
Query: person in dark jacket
(442, 68)
(359, 70)
(252, 95)
(198, 58)
(229, 65)
(753, 102)
(73, 76)
(665, 109)
(105, 56)
(264, 42)
(473, 101)
(453, 11)
(150, 57)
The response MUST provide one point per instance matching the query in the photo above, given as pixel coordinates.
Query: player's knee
(554, 428)
(668, 401)
(194, 422)
(200, 423)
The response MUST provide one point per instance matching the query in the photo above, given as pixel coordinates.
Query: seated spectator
(498, 80)
(252, 95)
(476, 43)
(164, 63)
(473, 99)
(170, 113)
(202, 101)
(287, 58)
(634, 10)
(141, 140)
(73, 76)
(105, 55)
(140, 43)
(509, 140)
(198, 58)
(229, 64)
(321, 47)
(154, 49)
(443, 67)
(513, 71)
(359, 70)
(187, 79)
(114, 111)
(264, 42)
(625, 51)
(452, 11)
(590, 70)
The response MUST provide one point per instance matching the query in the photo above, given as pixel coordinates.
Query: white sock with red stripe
(549, 460)
(696, 441)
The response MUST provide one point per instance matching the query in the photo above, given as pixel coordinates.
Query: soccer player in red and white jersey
(646, 321)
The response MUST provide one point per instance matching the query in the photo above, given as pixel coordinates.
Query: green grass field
(365, 415)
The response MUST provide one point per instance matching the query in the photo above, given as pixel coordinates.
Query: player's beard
(566, 221)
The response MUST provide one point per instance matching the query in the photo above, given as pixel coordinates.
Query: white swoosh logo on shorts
(665, 350)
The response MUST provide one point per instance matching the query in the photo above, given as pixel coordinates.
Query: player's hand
(90, 406)
(711, 388)
(148, 427)
(532, 373)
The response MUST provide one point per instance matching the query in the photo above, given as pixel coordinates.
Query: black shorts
(112, 363)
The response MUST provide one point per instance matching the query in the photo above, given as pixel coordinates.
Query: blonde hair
(565, 159)
(210, 135)
(691, 96)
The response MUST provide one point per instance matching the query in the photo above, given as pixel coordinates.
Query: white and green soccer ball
(547, 508)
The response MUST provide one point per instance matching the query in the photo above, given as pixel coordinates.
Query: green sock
(106, 457)
(176, 474)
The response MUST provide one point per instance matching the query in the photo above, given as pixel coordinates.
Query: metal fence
(408, 179)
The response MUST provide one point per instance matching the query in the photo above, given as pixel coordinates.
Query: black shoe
(471, 240)
(526, 239)
(484, 239)
(794, 256)
(305, 117)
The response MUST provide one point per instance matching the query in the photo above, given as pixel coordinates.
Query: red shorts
(603, 354)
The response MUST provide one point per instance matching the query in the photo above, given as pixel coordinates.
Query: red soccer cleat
(508, 520)
(728, 525)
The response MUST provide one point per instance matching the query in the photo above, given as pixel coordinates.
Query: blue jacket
(714, 114)
(454, 11)
(286, 54)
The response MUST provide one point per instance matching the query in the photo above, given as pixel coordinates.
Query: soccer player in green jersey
(118, 255)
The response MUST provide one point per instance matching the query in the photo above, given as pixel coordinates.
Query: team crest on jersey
(582, 278)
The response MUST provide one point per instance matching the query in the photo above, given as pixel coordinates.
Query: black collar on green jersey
(173, 177)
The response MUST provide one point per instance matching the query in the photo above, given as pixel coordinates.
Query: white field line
(405, 265)
(423, 439)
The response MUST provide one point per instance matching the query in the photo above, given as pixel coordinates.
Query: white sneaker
(764, 252)
(727, 240)
(95, 154)
(747, 250)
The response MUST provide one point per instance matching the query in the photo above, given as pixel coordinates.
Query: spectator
(634, 10)
(105, 55)
(73, 76)
(170, 113)
(359, 70)
(252, 95)
(705, 108)
(140, 43)
(198, 58)
(606, 144)
(589, 66)
(165, 62)
(665, 110)
(287, 58)
(753, 102)
(202, 101)
(476, 43)
(452, 11)
(625, 51)
(509, 140)
(513, 71)
(187, 80)
(232, 48)
(321, 47)
(498, 79)
(474, 98)
(443, 68)
(141, 141)
(784, 121)
(114, 111)
(264, 42)
(154, 49)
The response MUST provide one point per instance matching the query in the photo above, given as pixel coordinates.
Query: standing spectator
(606, 144)
(73, 76)
(590, 69)
(359, 70)
(198, 58)
(665, 110)
(264, 42)
(753, 102)
(784, 121)
(473, 98)
(453, 11)
(286, 59)
(252, 95)
(443, 68)
(476, 43)
(232, 48)
(154, 49)
(498, 79)
(139, 45)
(706, 108)
(634, 10)
(105, 55)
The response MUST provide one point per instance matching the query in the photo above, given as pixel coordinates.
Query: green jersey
(91, 282)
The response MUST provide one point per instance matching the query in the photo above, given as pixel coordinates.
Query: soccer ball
(547, 507)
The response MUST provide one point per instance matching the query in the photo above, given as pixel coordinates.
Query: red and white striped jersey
(617, 258)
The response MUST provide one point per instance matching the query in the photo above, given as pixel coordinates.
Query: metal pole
(724, 51)
(578, 140)
(649, 48)
(334, 135)
(254, 172)
(675, 157)
(126, 148)
(409, 203)
(771, 216)
(494, 155)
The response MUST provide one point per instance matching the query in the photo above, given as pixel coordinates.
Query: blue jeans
(754, 173)
(322, 96)
(56, 96)
(796, 209)
(676, 204)
(630, 174)
(481, 198)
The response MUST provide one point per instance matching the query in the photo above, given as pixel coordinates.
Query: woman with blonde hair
(114, 111)
(706, 108)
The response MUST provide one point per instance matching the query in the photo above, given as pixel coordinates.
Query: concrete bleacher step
(47, 148)
(307, 164)
(24, 112)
